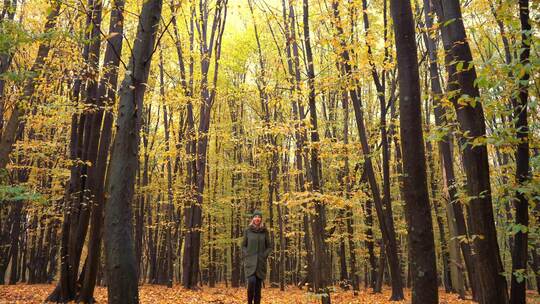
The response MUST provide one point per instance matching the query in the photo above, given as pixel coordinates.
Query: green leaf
(19, 193)
(459, 66)
(448, 22)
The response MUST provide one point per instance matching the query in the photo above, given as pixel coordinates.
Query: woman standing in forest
(256, 247)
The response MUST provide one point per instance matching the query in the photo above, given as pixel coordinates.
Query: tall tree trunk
(170, 197)
(456, 219)
(435, 95)
(76, 213)
(417, 208)
(106, 97)
(355, 280)
(120, 260)
(91, 139)
(520, 252)
(321, 273)
(492, 284)
(236, 114)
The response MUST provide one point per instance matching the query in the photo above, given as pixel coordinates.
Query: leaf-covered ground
(154, 294)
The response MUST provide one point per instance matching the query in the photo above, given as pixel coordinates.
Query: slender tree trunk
(355, 280)
(321, 274)
(120, 257)
(492, 284)
(456, 219)
(417, 208)
(170, 196)
(76, 213)
(435, 93)
(91, 140)
(520, 252)
(236, 179)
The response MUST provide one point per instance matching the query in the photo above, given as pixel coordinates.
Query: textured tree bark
(282, 248)
(417, 208)
(370, 241)
(101, 96)
(31, 247)
(53, 244)
(120, 260)
(520, 252)
(65, 290)
(491, 284)
(190, 150)
(380, 87)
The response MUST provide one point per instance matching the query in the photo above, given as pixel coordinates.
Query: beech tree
(415, 189)
(470, 116)
(120, 261)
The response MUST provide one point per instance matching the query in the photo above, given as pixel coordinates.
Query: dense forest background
(386, 142)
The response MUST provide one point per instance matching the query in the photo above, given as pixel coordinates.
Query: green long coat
(255, 247)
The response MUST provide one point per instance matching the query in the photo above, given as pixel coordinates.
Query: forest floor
(155, 294)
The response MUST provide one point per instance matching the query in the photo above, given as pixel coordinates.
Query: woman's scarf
(255, 228)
